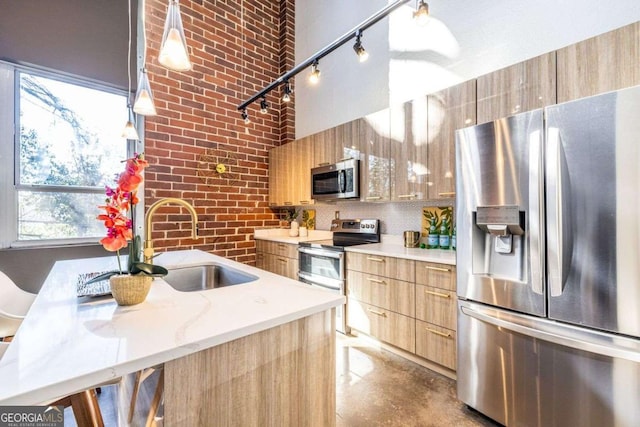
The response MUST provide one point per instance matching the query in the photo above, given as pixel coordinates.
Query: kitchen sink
(208, 276)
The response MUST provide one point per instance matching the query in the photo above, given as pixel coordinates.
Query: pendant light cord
(129, 61)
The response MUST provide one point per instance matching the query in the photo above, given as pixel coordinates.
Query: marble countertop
(67, 344)
(392, 246)
(282, 235)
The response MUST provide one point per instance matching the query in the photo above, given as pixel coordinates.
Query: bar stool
(14, 305)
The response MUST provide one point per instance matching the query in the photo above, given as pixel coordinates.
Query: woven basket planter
(130, 290)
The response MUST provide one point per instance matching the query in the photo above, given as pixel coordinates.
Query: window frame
(9, 149)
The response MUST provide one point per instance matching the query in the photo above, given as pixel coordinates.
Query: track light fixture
(313, 60)
(314, 77)
(264, 106)
(363, 55)
(245, 116)
(421, 15)
(287, 92)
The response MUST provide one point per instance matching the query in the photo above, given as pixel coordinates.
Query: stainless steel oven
(322, 263)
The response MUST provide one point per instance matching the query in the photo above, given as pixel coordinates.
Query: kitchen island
(254, 353)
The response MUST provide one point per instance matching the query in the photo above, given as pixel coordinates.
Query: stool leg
(134, 395)
(86, 409)
(155, 403)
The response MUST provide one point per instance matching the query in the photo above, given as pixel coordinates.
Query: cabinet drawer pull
(282, 260)
(375, 259)
(288, 203)
(406, 196)
(379, 313)
(446, 270)
(371, 279)
(345, 158)
(373, 198)
(447, 193)
(442, 334)
(305, 202)
(282, 245)
(438, 294)
(324, 164)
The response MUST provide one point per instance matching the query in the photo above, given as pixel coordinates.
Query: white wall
(464, 40)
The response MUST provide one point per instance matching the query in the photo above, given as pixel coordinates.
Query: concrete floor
(374, 388)
(378, 388)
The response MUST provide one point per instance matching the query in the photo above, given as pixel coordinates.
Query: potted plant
(131, 285)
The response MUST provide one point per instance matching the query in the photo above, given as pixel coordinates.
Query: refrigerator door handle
(561, 335)
(554, 212)
(536, 215)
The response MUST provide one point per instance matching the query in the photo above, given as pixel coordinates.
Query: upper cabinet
(448, 110)
(375, 165)
(324, 148)
(289, 173)
(409, 150)
(600, 64)
(521, 87)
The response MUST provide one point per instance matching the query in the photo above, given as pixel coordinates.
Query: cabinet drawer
(437, 306)
(287, 250)
(436, 275)
(286, 267)
(391, 294)
(397, 268)
(436, 344)
(382, 324)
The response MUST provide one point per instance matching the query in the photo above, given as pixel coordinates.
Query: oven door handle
(321, 252)
(330, 284)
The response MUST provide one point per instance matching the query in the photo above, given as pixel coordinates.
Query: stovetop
(349, 232)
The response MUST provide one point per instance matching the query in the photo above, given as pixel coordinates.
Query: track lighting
(264, 106)
(314, 77)
(245, 116)
(287, 92)
(173, 49)
(421, 15)
(314, 60)
(363, 55)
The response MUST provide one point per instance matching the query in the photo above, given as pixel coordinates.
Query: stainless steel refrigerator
(548, 264)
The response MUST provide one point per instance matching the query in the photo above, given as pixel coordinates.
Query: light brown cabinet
(289, 176)
(390, 298)
(600, 64)
(397, 268)
(325, 150)
(521, 87)
(436, 313)
(375, 165)
(409, 144)
(450, 109)
(391, 294)
(278, 258)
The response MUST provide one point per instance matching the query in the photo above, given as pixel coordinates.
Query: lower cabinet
(416, 314)
(383, 324)
(278, 258)
(436, 344)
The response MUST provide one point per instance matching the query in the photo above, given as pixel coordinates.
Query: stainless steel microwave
(338, 181)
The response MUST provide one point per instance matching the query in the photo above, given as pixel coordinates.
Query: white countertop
(282, 235)
(399, 251)
(67, 344)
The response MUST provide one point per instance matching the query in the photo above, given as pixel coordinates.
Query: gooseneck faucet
(148, 243)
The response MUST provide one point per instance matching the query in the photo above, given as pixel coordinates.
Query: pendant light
(421, 15)
(173, 49)
(144, 98)
(129, 131)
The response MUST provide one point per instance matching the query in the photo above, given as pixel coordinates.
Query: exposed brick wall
(236, 50)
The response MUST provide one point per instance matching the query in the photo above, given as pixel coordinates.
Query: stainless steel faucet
(148, 243)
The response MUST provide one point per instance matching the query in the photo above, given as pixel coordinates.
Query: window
(67, 146)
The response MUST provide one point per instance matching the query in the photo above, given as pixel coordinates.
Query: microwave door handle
(342, 181)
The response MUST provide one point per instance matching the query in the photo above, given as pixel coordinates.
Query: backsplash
(395, 218)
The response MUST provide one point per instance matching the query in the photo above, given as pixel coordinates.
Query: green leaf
(148, 269)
